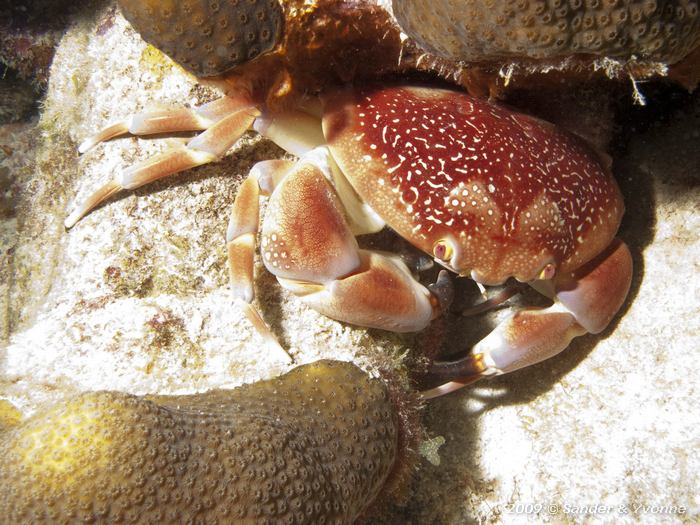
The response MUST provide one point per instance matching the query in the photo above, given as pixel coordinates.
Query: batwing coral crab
(489, 193)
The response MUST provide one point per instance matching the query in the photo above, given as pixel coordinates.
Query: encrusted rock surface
(134, 298)
(29, 31)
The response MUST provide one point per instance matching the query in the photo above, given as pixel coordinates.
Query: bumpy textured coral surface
(482, 30)
(207, 37)
(313, 446)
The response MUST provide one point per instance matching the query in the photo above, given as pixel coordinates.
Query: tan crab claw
(595, 292)
(309, 245)
(527, 337)
(585, 302)
(380, 293)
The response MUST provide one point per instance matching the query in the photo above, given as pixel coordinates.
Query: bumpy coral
(207, 37)
(313, 446)
(484, 30)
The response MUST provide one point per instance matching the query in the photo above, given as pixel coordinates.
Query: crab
(487, 192)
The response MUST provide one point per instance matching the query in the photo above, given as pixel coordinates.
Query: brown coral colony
(207, 37)
(483, 30)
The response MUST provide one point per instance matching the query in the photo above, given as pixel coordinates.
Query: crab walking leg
(168, 121)
(585, 302)
(240, 240)
(202, 149)
(243, 223)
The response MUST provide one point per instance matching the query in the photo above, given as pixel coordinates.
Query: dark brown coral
(207, 37)
(486, 30)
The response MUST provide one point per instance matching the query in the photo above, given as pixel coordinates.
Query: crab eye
(547, 272)
(442, 250)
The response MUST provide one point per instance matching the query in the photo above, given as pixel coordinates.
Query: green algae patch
(155, 62)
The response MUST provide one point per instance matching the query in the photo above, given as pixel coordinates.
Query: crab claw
(309, 245)
(585, 301)
(595, 292)
(380, 293)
